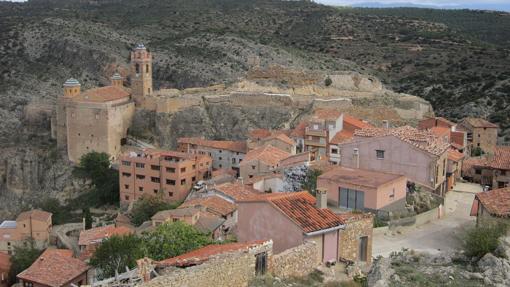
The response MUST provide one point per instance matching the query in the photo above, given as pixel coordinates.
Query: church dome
(116, 76)
(71, 82)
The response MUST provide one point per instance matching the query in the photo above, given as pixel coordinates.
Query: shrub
(23, 257)
(328, 82)
(147, 206)
(481, 240)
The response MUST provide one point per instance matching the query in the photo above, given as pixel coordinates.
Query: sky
(470, 4)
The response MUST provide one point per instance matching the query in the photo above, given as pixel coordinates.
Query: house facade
(262, 161)
(480, 134)
(168, 173)
(350, 125)
(34, 224)
(491, 207)
(364, 190)
(419, 155)
(490, 169)
(321, 128)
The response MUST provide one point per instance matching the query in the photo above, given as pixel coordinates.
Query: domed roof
(140, 46)
(117, 76)
(71, 82)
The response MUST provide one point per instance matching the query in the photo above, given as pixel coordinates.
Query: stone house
(357, 234)
(90, 239)
(454, 167)
(290, 219)
(350, 124)
(490, 169)
(35, 224)
(5, 268)
(169, 174)
(217, 206)
(442, 127)
(419, 155)
(55, 268)
(363, 190)
(298, 135)
(225, 154)
(321, 128)
(480, 134)
(492, 206)
(276, 139)
(262, 161)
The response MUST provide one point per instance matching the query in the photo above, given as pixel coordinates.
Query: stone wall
(295, 262)
(357, 226)
(234, 269)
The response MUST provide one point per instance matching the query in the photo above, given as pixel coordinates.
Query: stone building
(321, 128)
(98, 119)
(262, 161)
(490, 169)
(34, 224)
(492, 206)
(5, 268)
(170, 174)
(480, 134)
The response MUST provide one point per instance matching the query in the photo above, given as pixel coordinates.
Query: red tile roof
(237, 191)
(496, 201)
(236, 146)
(421, 139)
(457, 139)
(350, 125)
(499, 160)
(213, 204)
(103, 94)
(327, 114)
(281, 137)
(55, 267)
(268, 154)
(479, 123)
(299, 130)
(203, 254)
(360, 177)
(98, 234)
(455, 155)
(259, 133)
(35, 214)
(300, 208)
(430, 122)
(440, 131)
(342, 136)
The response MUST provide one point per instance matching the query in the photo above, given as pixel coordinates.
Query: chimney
(386, 124)
(322, 198)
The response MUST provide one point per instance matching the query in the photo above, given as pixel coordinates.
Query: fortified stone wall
(295, 262)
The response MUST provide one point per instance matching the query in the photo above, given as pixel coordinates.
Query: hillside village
(285, 203)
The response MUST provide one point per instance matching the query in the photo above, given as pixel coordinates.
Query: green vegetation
(481, 240)
(310, 181)
(96, 167)
(61, 213)
(117, 253)
(477, 151)
(314, 279)
(168, 240)
(88, 218)
(328, 82)
(22, 258)
(147, 206)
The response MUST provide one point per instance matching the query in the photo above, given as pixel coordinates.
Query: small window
(392, 194)
(193, 179)
(250, 176)
(380, 154)
(155, 167)
(253, 167)
(478, 171)
(140, 165)
(220, 151)
(126, 163)
(170, 169)
(221, 166)
(126, 186)
(147, 68)
(334, 151)
(155, 179)
(126, 174)
(140, 189)
(233, 160)
(183, 169)
(140, 176)
(220, 158)
(183, 181)
(170, 194)
(126, 197)
(261, 263)
(155, 191)
(170, 182)
(194, 166)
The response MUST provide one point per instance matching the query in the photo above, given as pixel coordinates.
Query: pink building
(169, 173)
(364, 190)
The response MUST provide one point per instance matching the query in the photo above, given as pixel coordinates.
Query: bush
(23, 257)
(481, 240)
(310, 181)
(147, 206)
(328, 82)
(477, 151)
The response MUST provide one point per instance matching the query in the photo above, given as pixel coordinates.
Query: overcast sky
(478, 4)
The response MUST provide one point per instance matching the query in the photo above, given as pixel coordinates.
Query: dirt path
(440, 235)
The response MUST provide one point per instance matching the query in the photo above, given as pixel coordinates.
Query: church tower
(71, 88)
(141, 73)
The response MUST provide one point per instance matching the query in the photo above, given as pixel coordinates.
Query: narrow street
(440, 235)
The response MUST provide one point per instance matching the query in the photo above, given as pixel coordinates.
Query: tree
(116, 253)
(477, 151)
(147, 206)
(22, 258)
(328, 82)
(173, 239)
(96, 167)
(88, 218)
(61, 214)
(310, 181)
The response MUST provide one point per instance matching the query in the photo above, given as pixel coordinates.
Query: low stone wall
(295, 262)
(419, 219)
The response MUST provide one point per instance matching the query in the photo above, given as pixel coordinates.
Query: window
(220, 158)
(194, 166)
(334, 151)
(155, 179)
(478, 144)
(220, 151)
(261, 263)
(444, 167)
(147, 68)
(170, 169)
(363, 248)
(352, 199)
(137, 68)
(193, 179)
(170, 194)
(126, 197)
(140, 165)
(221, 166)
(126, 163)
(233, 160)
(478, 171)
(155, 191)
(140, 176)
(253, 167)
(155, 167)
(140, 189)
(126, 186)
(250, 176)
(380, 154)
(170, 182)
(126, 174)
(183, 169)
(183, 181)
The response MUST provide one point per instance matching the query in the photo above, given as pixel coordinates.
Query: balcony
(317, 133)
(316, 143)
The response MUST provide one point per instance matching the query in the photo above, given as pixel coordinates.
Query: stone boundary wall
(419, 219)
(295, 262)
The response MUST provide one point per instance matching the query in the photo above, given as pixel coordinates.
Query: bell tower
(141, 73)
(71, 88)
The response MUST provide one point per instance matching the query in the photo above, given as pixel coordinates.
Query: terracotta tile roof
(203, 254)
(457, 139)
(259, 133)
(267, 154)
(98, 234)
(455, 155)
(327, 114)
(208, 222)
(103, 94)
(440, 131)
(300, 208)
(35, 214)
(5, 262)
(223, 171)
(479, 123)
(499, 160)
(236, 146)
(180, 212)
(421, 139)
(281, 137)
(342, 136)
(299, 130)
(353, 123)
(430, 122)
(55, 267)
(236, 191)
(496, 201)
(360, 177)
(213, 204)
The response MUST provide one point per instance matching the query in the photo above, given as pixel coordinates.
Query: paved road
(440, 235)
